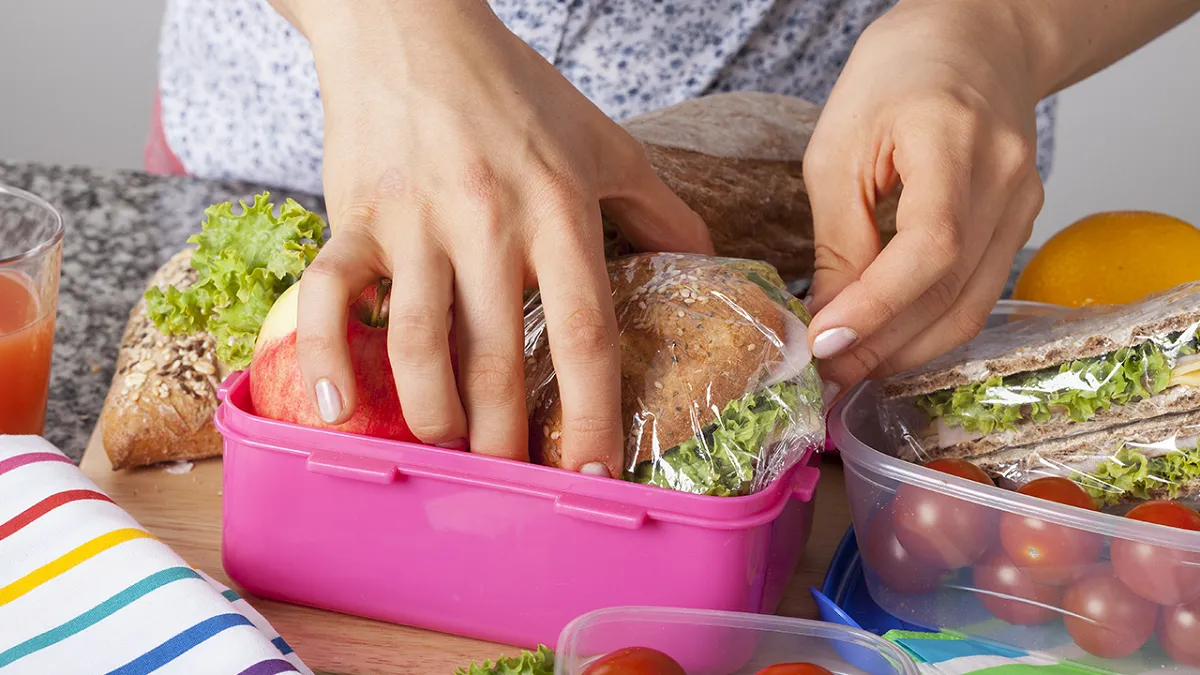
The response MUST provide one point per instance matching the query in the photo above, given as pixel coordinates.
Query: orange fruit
(1112, 258)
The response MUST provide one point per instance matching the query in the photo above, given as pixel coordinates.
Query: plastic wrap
(1106, 396)
(719, 391)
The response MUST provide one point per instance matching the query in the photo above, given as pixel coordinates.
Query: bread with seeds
(164, 393)
(737, 160)
(717, 386)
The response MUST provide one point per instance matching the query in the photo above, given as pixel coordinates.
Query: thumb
(649, 214)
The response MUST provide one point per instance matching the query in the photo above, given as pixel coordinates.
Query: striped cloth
(84, 590)
(942, 654)
(945, 654)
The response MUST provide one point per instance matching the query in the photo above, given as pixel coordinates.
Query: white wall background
(77, 79)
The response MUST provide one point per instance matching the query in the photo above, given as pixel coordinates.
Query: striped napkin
(84, 590)
(942, 654)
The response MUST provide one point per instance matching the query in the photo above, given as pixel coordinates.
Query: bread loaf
(737, 159)
(163, 396)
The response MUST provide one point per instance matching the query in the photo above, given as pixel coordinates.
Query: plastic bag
(720, 394)
(1074, 393)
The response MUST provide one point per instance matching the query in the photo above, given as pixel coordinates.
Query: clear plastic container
(1015, 310)
(727, 643)
(1092, 618)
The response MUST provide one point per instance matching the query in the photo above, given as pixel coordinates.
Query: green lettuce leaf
(1131, 474)
(722, 461)
(540, 662)
(245, 262)
(1080, 389)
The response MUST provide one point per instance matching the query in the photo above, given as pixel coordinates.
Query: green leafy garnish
(1131, 474)
(723, 460)
(1079, 389)
(540, 662)
(246, 261)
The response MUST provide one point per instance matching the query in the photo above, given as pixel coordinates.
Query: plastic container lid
(727, 643)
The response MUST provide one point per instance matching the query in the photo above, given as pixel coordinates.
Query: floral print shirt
(239, 94)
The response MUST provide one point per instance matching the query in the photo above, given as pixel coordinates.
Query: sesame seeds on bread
(695, 335)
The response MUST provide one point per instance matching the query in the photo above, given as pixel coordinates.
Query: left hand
(938, 95)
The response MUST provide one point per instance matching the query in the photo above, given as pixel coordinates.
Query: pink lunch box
(483, 547)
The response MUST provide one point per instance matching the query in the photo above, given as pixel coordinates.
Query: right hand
(463, 166)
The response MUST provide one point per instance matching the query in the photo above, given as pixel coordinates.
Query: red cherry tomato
(961, 468)
(1179, 633)
(944, 531)
(634, 661)
(1012, 596)
(794, 669)
(1158, 573)
(1107, 619)
(894, 566)
(1048, 553)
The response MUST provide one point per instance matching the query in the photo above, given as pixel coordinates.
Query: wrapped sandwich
(719, 393)
(1107, 396)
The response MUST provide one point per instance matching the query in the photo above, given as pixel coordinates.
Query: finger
(349, 262)
(968, 315)
(989, 198)
(419, 339)
(841, 193)
(490, 327)
(652, 217)
(930, 219)
(584, 343)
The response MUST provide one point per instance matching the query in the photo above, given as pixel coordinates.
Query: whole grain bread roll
(696, 333)
(737, 159)
(164, 393)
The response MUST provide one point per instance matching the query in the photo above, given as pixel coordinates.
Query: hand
(460, 164)
(937, 95)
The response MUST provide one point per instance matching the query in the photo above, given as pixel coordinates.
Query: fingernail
(456, 444)
(595, 469)
(829, 392)
(808, 300)
(329, 401)
(833, 342)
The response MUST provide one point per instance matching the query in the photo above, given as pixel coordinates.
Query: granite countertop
(120, 227)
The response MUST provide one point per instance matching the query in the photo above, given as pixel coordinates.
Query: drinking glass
(31, 237)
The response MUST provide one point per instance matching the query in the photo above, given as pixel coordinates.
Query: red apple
(278, 392)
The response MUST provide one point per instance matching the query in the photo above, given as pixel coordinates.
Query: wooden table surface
(184, 511)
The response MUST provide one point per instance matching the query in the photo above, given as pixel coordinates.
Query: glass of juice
(31, 236)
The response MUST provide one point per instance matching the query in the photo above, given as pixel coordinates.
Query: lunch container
(488, 548)
(873, 480)
(726, 643)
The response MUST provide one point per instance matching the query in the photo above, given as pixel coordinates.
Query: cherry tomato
(1158, 573)
(944, 531)
(961, 468)
(1012, 596)
(1046, 552)
(894, 566)
(794, 669)
(1179, 633)
(1107, 619)
(634, 661)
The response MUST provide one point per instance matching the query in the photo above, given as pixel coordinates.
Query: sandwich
(719, 393)
(1056, 389)
(1151, 459)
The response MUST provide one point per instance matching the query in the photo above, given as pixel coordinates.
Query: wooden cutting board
(184, 511)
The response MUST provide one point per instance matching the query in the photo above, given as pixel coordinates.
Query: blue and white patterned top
(240, 97)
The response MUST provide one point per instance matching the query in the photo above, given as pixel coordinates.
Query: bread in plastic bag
(719, 392)
(1084, 393)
